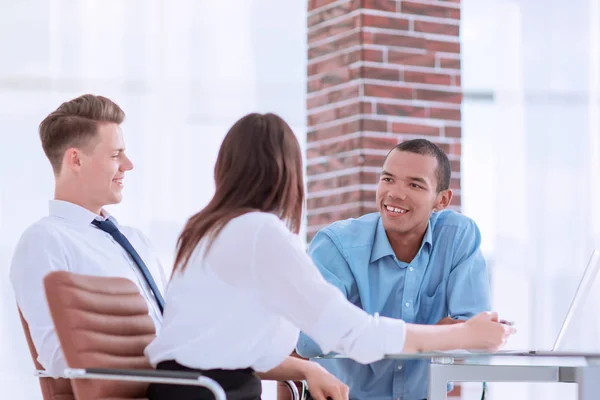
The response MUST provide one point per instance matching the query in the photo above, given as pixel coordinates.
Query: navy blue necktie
(110, 228)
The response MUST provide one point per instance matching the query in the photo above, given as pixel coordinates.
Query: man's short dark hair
(426, 148)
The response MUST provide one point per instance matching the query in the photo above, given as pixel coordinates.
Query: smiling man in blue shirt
(412, 260)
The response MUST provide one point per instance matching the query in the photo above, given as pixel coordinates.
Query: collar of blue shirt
(382, 246)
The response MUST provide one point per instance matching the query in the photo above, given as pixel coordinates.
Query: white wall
(183, 71)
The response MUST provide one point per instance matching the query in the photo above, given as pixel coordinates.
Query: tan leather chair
(52, 389)
(103, 326)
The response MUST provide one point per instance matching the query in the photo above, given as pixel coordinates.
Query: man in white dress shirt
(84, 143)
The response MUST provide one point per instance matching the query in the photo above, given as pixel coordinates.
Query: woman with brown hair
(243, 286)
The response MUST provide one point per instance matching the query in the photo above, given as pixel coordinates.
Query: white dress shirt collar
(75, 213)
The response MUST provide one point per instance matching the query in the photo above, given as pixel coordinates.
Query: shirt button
(411, 269)
(399, 367)
(407, 304)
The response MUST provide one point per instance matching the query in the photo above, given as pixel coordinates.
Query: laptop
(582, 292)
(585, 284)
(587, 280)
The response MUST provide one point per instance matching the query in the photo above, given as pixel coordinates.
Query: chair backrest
(101, 322)
(52, 389)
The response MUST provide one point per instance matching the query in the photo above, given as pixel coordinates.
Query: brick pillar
(379, 72)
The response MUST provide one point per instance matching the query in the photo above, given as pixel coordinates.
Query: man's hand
(449, 321)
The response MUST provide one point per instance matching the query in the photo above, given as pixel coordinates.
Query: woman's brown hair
(259, 168)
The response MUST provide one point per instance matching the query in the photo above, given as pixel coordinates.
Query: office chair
(103, 326)
(52, 389)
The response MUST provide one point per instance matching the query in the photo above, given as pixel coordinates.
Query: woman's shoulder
(255, 220)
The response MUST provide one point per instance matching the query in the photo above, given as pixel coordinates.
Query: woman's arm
(277, 271)
(480, 332)
(291, 369)
(322, 384)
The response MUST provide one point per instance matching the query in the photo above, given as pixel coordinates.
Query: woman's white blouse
(244, 303)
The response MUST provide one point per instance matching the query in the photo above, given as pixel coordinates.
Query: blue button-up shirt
(447, 277)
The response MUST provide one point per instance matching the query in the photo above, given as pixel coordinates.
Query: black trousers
(238, 384)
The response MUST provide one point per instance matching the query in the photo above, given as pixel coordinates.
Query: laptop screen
(588, 278)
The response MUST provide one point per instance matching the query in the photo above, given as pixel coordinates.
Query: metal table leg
(588, 382)
(441, 374)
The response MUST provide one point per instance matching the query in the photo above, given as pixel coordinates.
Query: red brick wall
(379, 72)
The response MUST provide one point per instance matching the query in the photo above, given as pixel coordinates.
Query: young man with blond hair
(84, 144)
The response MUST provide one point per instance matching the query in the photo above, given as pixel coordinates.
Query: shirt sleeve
(282, 276)
(335, 269)
(468, 282)
(38, 253)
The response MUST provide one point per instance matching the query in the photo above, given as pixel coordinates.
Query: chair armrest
(151, 375)
(291, 385)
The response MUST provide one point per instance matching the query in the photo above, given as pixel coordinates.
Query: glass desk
(513, 366)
